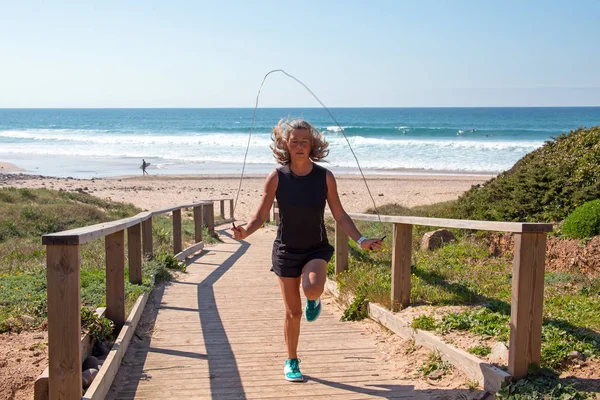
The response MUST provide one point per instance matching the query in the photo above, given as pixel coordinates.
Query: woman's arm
(264, 208)
(342, 218)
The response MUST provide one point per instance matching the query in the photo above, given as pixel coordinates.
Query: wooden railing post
(198, 224)
(64, 321)
(231, 208)
(527, 303)
(177, 240)
(114, 245)
(401, 264)
(222, 209)
(341, 250)
(209, 217)
(147, 238)
(134, 248)
(276, 213)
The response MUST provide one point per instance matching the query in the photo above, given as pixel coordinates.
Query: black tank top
(301, 201)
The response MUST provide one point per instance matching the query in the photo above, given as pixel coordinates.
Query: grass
(465, 273)
(481, 351)
(26, 214)
(434, 363)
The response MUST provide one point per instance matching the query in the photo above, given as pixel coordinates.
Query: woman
(301, 250)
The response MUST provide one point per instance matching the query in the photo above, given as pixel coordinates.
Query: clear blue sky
(350, 53)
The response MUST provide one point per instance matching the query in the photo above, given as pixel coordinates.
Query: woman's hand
(371, 244)
(239, 233)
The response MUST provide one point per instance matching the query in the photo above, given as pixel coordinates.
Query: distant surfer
(144, 166)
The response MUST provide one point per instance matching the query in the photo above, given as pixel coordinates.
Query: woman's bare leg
(290, 290)
(314, 278)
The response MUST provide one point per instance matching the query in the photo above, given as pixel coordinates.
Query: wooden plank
(527, 302)
(134, 251)
(64, 321)
(147, 241)
(115, 278)
(179, 207)
(189, 251)
(231, 209)
(101, 384)
(91, 232)
(488, 375)
(496, 226)
(177, 239)
(341, 249)
(222, 209)
(401, 265)
(209, 217)
(198, 224)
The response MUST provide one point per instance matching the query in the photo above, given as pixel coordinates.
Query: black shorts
(289, 263)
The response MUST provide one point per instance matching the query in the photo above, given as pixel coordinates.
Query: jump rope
(341, 129)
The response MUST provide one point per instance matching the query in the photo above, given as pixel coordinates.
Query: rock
(87, 377)
(437, 374)
(90, 362)
(575, 355)
(100, 349)
(433, 240)
(499, 354)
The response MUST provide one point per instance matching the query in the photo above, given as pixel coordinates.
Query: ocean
(85, 143)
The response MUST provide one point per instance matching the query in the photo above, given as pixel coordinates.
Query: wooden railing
(527, 277)
(63, 284)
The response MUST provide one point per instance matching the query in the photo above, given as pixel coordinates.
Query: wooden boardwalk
(218, 333)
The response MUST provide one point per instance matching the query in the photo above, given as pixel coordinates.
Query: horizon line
(280, 107)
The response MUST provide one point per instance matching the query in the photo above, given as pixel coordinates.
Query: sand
(6, 167)
(156, 192)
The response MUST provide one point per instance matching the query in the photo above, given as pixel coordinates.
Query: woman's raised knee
(313, 292)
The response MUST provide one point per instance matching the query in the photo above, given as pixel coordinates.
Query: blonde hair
(281, 133)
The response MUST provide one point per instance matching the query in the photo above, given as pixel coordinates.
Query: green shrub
(584, 221)
(545, 185)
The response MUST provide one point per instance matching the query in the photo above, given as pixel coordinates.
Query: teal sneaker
(312, 310)
(292, 370)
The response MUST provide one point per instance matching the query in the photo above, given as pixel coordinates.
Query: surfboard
(142, 166)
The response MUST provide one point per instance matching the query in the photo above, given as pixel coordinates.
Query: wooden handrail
(63, 280)
(495, 226)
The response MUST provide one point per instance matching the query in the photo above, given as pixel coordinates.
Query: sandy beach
(155, 192)
(6, 167)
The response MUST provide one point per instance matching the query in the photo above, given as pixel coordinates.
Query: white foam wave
(337, 128)
(359, 141)
(100, 137)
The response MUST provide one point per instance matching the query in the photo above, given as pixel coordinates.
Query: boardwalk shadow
(218, 349)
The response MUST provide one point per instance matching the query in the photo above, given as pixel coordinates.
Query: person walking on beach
(301, 250)
(144, 165)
